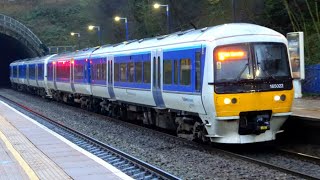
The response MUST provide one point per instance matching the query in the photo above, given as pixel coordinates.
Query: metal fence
(18, 27)
(311, 84)
(60, 49)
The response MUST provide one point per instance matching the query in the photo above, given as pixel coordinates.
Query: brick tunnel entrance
(16, 42)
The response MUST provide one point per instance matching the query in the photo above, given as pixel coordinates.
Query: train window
(123, 70)
(104, 71)
(232, 63)
(86, 74)
(198, 71)
(176, 72)
(93, 71)
(147, 72)
(98, 71)
(14, 71)
(22, 71)
(271, 60)
(78, 71)
(154, 72)
(32, 71)
(101, 71)
(138, 72)
(131, 72)
(50, 71)
(167, 71)
(159, 73)
(116, 72)
(110, 71)
(185, 72)
(63, 70)
(40, 71)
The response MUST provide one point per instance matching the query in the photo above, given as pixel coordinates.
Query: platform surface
(29, 150)
(306, 108)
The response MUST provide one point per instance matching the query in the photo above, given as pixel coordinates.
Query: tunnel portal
(16, 42)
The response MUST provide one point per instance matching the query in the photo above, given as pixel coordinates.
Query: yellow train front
(252, 87)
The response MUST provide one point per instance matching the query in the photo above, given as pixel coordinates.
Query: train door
(46, 74)
(54, 78)
(27, 74)
(110, 72)
(72, 75)
(36, 74)
(156, 56)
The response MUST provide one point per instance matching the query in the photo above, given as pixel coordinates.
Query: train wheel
(200, 132)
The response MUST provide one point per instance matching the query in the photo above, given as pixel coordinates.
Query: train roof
(76, 54)
(29, 60)
(191, 35)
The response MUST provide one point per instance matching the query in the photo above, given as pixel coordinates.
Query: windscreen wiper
(242, 71)
(270, 76)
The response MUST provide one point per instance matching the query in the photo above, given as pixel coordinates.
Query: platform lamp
(157, 6)
(91, 27)
(78, 34)
(117, 18)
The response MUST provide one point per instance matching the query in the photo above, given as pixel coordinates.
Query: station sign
(296, 54)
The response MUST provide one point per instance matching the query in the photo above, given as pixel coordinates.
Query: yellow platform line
(32, 175)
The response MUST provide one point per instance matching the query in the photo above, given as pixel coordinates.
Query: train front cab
(253, 92)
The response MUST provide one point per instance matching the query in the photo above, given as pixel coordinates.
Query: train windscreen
(251, 66)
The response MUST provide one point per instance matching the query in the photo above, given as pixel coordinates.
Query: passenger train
(229, 84)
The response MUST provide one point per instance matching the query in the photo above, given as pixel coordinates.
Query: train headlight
(276, 98)
(227, 101)
(283, 97)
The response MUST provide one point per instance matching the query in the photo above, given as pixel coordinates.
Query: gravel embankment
(180, 159)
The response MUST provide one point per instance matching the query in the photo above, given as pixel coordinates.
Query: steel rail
(130, 165)
(300, 155)
(269, 165)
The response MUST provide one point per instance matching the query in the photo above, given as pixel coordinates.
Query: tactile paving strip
(39, 162)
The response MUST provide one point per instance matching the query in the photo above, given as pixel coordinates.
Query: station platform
(28, 150)
(307, 109)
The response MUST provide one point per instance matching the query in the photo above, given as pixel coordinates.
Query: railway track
(300, 155)
(294, 169)
(208, 148)
(128, 164)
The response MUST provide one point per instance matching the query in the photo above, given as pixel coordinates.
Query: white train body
(177, 82)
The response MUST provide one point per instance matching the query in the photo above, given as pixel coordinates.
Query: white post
(296, 54)
(297, 88)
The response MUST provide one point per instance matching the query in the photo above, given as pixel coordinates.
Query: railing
(60, 49)
(21, 29)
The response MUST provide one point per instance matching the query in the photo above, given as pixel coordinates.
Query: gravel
(288, 161)
(183, 160)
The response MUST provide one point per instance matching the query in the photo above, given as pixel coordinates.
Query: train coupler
(254, 122)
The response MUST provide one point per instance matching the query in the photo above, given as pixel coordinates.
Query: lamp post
(78, 34)
(234, 11)
(157, 6)
(117, 18)
(98, 30)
